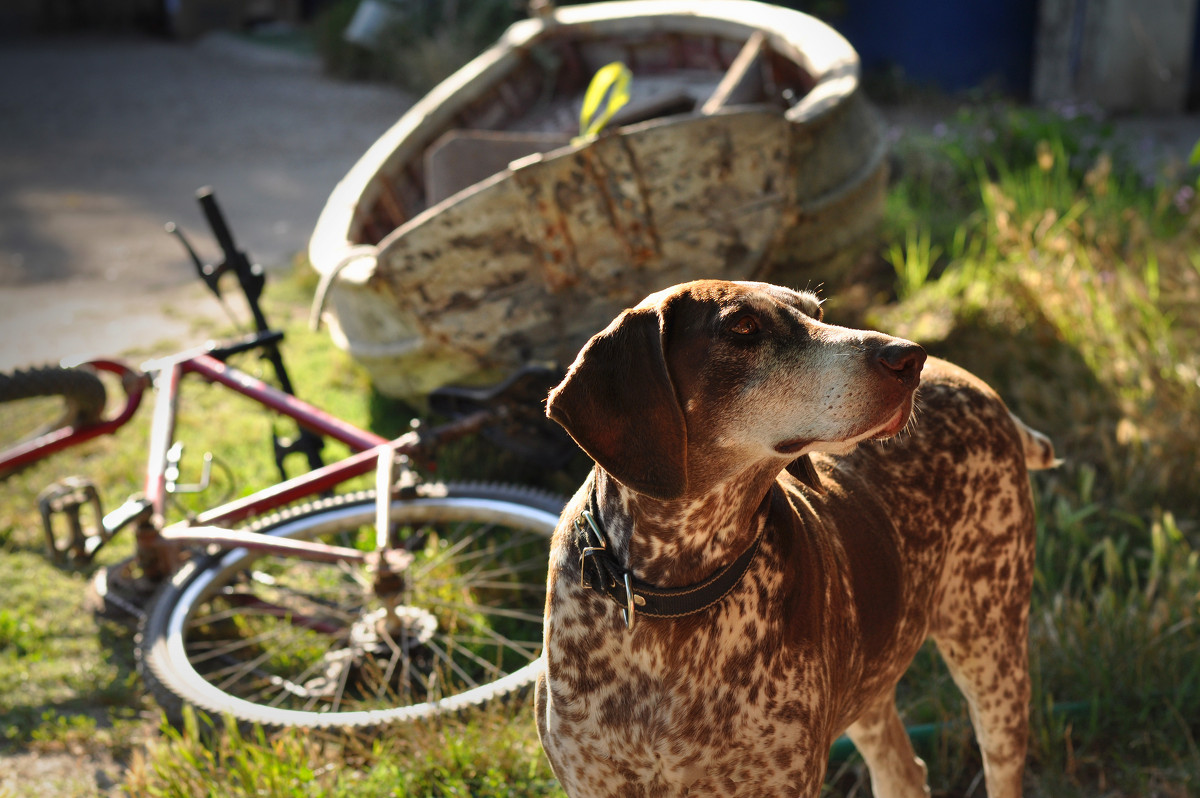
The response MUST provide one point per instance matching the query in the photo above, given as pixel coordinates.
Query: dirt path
(104, 140)
(53, 775)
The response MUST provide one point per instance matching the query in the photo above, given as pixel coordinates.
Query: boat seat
(662, 103)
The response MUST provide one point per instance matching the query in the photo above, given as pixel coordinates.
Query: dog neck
(681, 541)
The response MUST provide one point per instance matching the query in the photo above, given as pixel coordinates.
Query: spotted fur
(914, 521)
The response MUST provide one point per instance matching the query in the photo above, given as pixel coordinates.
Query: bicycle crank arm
(285, 547)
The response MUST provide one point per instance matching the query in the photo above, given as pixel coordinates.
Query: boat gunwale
(826, 56)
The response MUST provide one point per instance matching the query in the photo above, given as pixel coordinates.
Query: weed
(914, 262)
(1069, 248)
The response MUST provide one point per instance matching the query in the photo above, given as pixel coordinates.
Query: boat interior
(534, 107)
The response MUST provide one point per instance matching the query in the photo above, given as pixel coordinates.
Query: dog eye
(745, 325)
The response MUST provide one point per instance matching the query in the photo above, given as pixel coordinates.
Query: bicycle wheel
(289, 642)
(81, 392)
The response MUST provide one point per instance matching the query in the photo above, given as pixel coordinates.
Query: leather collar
(599, 570)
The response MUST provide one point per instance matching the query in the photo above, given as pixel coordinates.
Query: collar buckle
(590, 545)
(607, 577)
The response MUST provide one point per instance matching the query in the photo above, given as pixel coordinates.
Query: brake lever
(209, 274)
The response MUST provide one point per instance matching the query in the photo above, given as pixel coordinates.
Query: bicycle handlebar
(216, 220)
(250, 276)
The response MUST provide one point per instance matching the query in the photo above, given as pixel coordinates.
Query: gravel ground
(106, 139)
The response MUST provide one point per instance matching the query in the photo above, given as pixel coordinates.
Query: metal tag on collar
(629, 613)
(585, 551)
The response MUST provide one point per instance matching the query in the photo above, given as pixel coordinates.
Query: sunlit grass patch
(1070, 282)
(1094, 274)
(493, 752)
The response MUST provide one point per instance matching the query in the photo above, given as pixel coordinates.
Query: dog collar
(600, 571)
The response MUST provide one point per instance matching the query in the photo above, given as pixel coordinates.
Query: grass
(68, 679)
(1066, 281)
(1020, 244)
(483, 754)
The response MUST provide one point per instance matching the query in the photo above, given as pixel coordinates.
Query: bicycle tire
(81, 390)
(470, 634)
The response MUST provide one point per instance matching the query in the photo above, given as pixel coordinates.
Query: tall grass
(1082, 262)
(1070, 283)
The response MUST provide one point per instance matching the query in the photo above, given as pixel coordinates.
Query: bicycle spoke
(378, 682)
(520, 615)
(487, 579)
(242, 668)
(491, 552)
(489, 636)
(355, 574)
(442, 557)
(454, 666)
(341, 689)
(253, 607)
(294, 578)
(280, 686)
(452, 642)
(287, 689)
(306, 643)
(227, 648)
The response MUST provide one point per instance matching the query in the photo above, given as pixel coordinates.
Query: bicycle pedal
(133, 509)
(67, 498)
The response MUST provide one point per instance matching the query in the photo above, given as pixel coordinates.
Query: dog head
(711, 376)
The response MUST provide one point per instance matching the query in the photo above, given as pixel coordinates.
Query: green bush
(430, 42)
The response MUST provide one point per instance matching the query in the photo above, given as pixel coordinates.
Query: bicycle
(406, 601)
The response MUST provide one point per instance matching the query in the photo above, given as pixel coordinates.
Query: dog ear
(618, 403)
(802, 468)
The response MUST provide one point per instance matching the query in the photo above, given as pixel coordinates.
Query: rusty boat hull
(475, 236)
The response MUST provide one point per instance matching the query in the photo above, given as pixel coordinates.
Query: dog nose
(903, 360)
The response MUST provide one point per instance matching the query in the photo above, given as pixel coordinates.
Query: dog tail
(1039, 449)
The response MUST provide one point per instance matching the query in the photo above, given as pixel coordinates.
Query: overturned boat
(482, 232)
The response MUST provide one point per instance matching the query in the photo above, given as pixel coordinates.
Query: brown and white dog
(770, 533)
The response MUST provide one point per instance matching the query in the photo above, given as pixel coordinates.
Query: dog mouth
(895, 423)
(891, 427)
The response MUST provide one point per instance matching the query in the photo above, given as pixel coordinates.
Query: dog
(776, 521)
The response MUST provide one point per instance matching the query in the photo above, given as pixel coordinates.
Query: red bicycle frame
(162, 435)
(157, 545)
